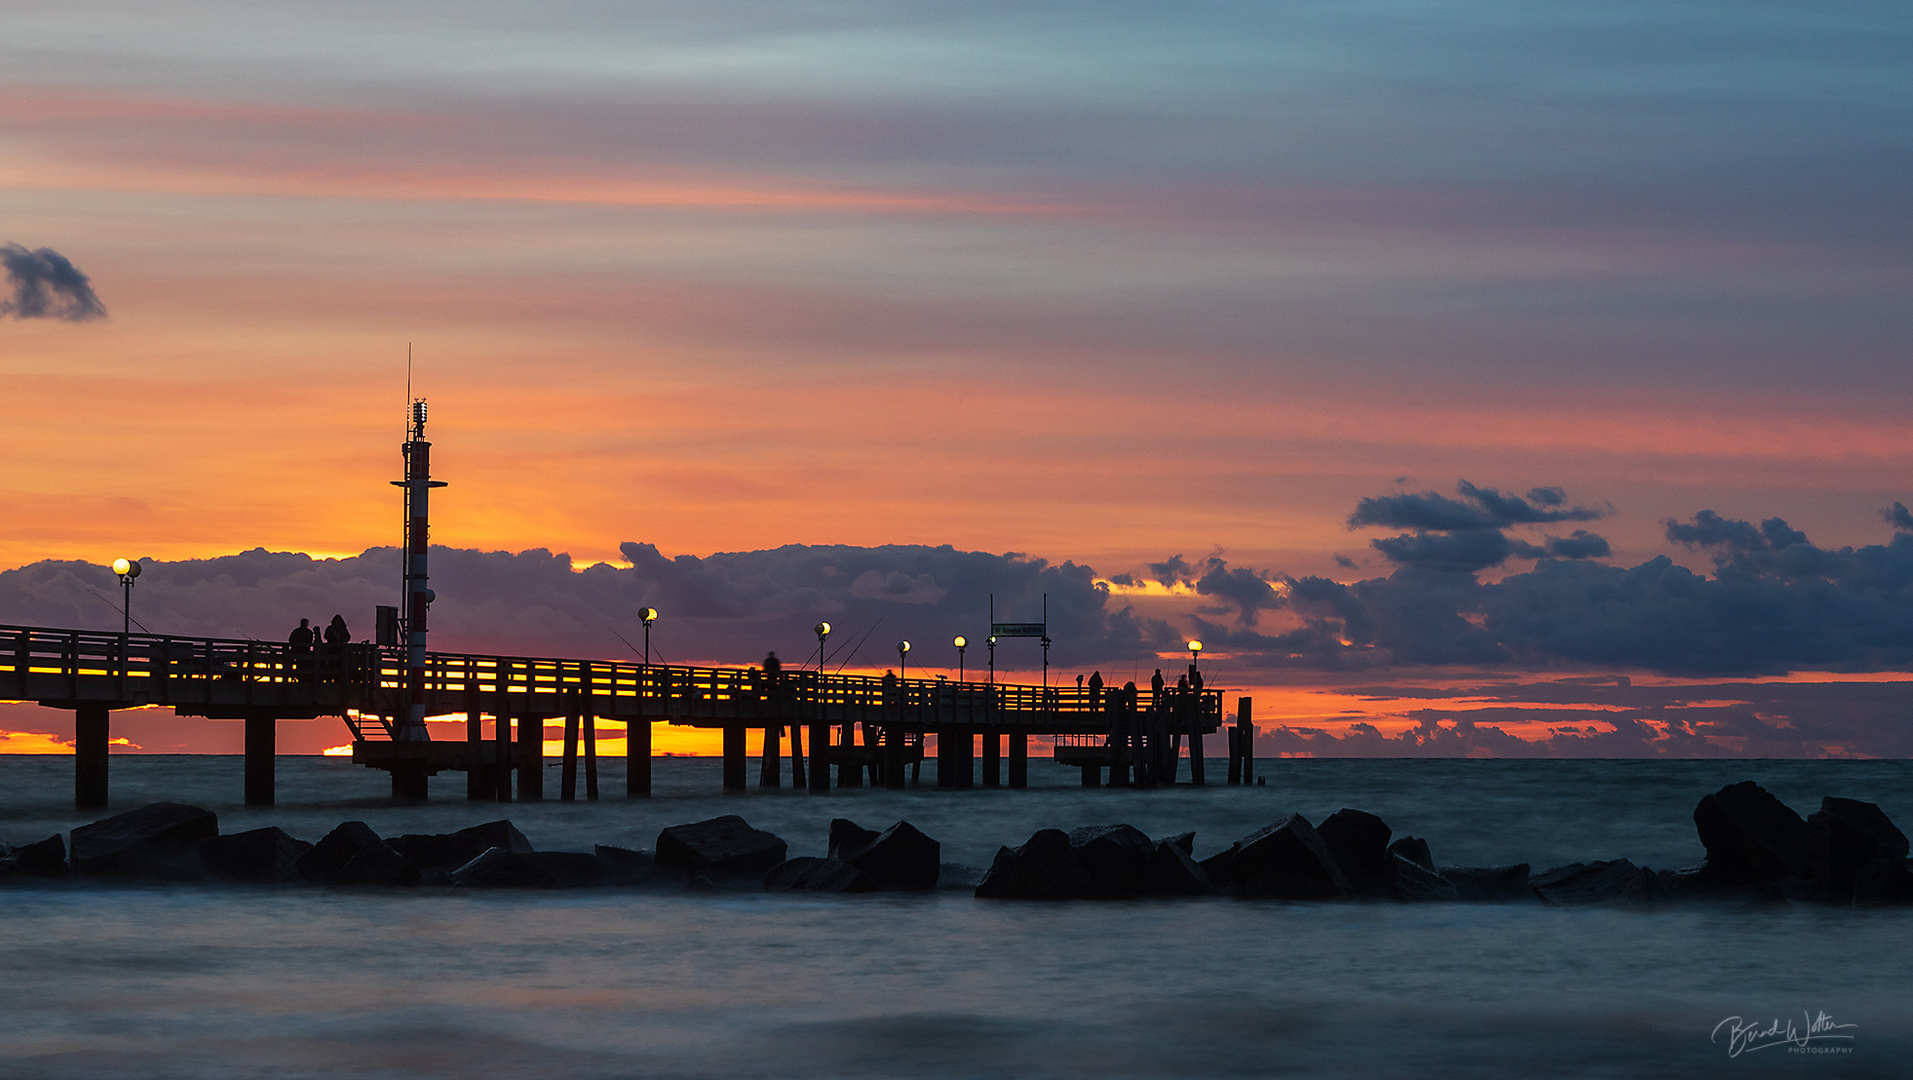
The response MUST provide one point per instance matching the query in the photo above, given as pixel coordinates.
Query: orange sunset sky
(1420, 339)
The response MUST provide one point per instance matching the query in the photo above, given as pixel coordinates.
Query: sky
(1440, 366)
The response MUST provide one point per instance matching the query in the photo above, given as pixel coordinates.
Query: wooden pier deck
(93, 672)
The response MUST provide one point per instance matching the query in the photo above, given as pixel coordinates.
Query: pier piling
(89, 756)
(734, 757)
(568, 777)
(1019, 760)
(637, 758)
(261, 757)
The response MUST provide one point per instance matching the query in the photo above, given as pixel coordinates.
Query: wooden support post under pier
(992, 758)
(89, 756)
(477, 779)
(1019, 760)
(734, 757)
(1198, 775)
(849, 770)
(770, 772)
(1235, 757)
(501, 751)
(797, 777)
(261, 756)
(590, 719)
(1245, 731)
(531, 758)
(946, 765)
(637, 758)
(819, 757)
(568, 777)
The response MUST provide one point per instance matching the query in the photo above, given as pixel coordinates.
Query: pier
(868, 729)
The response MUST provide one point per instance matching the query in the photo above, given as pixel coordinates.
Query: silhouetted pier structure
(864, 727)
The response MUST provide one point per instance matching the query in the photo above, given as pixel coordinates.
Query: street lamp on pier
(1195, 654)
(127, 569)
(823, 631)
(648, 615)
(961, 642)
(903, 658)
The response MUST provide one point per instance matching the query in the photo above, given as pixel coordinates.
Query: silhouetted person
(301, 638)
(890, 688)
(1195, 678)
(1079, 680)
(336, 633)
(1155, 684)
(1096, 689)
(773, 669)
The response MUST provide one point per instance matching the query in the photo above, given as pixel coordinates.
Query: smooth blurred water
(217, 982)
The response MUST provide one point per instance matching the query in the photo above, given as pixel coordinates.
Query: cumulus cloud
(46, 285)
(730, 607)
(1898, 517)
(1471, 533)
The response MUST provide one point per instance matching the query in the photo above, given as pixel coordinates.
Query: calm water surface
(217, 982)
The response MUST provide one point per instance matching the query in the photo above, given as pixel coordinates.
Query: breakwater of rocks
(1759, 851)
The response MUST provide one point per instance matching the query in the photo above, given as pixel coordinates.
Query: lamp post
(649, 615)
(127, 569)
(903, 655)
(1195, 654)
(823, 631)
(992, 644)
(961, 643)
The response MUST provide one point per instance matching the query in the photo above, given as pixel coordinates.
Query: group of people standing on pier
(328, 643)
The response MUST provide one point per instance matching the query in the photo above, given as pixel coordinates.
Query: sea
(228, 981)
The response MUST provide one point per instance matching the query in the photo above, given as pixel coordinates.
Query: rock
(1044, 868)
(1115, 857)
(637, 869)
(847, 838)
(1750, 835)
(448, 851)
(334, 850)
(1884, 881)
(46, 858)
(1359, 842)
(1184, 840)
(1488, 884)
(1414, 850)
(1844, 835)
(898, 858)
(502, 868)
(1221, 868)
(376, 864)
(954, 876)
(568, 869)
(812, 875)
(1170, 871)
(1286, 861)
(267, 855)
(160, 840)
(721, 846)
(1614, 882)
(1416, 883)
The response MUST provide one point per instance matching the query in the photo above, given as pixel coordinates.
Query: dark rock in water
(847, 838)
(1286, 861)
(1221, 868)
(1416, 883)
(899, 858)
(267, 856)
(334, 850)
(1844, 835)
(1884, 881)
(1044, 868)
(637, 869)
(1615, 882)
(1488, 884)
(160, 840)
(1750, 835)
(568, 869)
(1116, 858)
(500, 868)
(44, 859)
(952, 875)
(721, 846)
(811, 875)
(1413, 849)
(446, 851)
(1359, 842)
(1184, 840)
(1171, 872)
(376, 864)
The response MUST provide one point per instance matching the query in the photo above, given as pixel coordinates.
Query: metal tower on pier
(418, 484)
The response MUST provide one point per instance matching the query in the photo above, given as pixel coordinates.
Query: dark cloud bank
(46, 285)
(1775, 603)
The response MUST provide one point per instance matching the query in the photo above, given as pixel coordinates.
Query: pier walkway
(93, 672)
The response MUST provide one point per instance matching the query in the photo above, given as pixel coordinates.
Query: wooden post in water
(501, 750)
(1198, 775)
(849, 769)
(568, 778)
(590, 720)
(893, 777)
(476, 779)
(637, 757)
(89, 756)
(531, 758)
(1019, 759)
(797, 778)
(819, 771)
(770, 772)
(1245, 734)
(734, 734)
(1235, 756)
(992, 757)
(262, 752)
